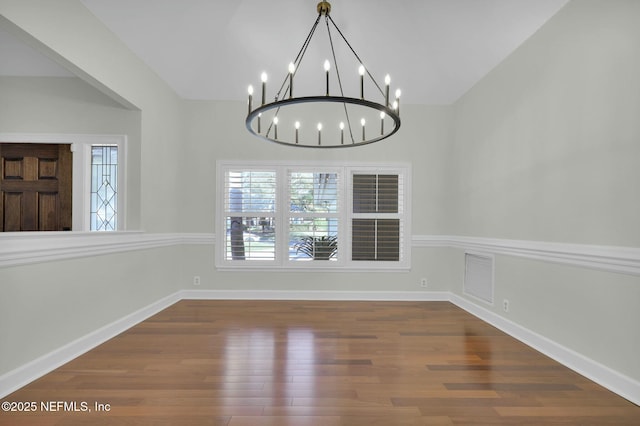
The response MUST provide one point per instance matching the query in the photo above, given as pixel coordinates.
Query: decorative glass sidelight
(104, 188)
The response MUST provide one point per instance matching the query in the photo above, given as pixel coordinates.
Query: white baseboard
(25, 374)
(610, 379)
(604, 376)
(316, 295)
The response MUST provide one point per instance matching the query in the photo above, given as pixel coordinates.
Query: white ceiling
(435, 50)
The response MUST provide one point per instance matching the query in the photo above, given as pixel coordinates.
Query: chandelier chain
(335, 61)
(297, 62)
(356, 55)
(300, 55)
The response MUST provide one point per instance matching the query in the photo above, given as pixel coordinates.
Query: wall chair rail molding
(623, 260)
(19, 248)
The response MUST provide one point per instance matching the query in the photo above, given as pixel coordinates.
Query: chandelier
(343, 115)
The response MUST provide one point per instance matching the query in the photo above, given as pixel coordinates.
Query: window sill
(310, 268)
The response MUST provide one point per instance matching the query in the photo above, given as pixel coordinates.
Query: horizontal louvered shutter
(250, 223)
(376, 224)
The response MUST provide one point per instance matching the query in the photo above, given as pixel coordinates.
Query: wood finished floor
(255, 363)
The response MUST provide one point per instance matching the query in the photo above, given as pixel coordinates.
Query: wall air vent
(478, 276)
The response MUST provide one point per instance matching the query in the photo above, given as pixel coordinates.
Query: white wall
(546, 145)
(546, 148)
(48, 305)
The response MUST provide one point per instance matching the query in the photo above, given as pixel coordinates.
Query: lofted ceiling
(435, 50)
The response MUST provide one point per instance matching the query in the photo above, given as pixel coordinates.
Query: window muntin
(306, 218)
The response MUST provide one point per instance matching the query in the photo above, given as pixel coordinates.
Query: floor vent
(478, 276)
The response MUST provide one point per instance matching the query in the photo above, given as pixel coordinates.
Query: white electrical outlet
(505, 305)
(196, 280)
(423, 282)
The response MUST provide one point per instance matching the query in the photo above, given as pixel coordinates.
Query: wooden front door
(35, 187)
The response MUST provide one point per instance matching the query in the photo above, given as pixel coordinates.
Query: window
(376, 219)
(98, 182)
(250, 223)
(103, 214)
(312, 215)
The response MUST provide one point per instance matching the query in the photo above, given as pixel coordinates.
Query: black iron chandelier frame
(386, 109)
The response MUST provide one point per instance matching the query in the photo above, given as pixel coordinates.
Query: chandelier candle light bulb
(263, 77)
(250, 90)
(292, 69)
(397, 102)
(387, 82)
(297, 126)
(341, 133)
(319, 133)
(361, 72)
(275, 127)
(382, 114)
(327, 66)
(363, 122)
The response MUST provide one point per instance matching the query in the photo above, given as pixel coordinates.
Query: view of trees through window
(312, 219)
(313, 216)
(250, 223)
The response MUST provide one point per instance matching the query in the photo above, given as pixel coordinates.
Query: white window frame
(283, 218)
(343, 261)
(81, 183)
(221, 228)
(405, 243)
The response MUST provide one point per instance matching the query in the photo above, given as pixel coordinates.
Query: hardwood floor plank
(286, 421)
(526, 387)
(582, 411)
(342, 411)
(255, 363)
